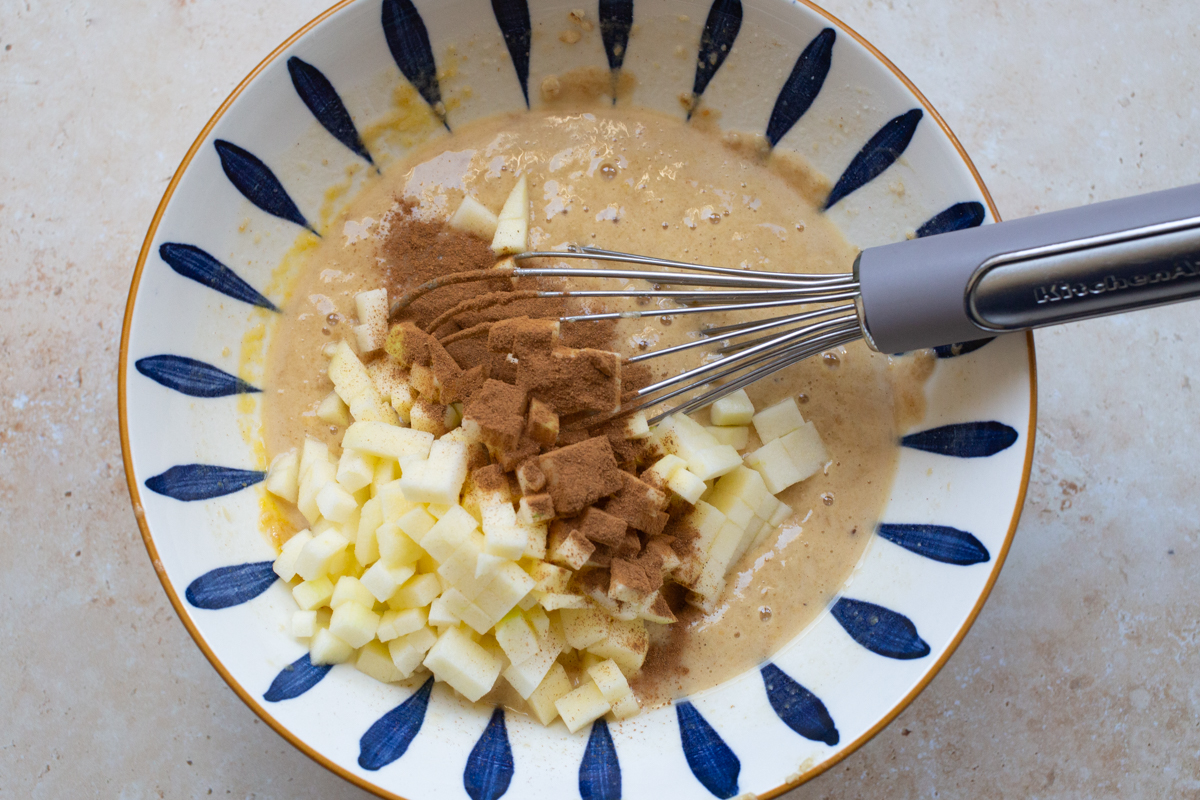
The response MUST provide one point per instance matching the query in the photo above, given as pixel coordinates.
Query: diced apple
(285, 564)
(806, 449)
(304, 623)
(366, 545)
(658, 473)
(439, 479)
(512, 227)
(386, 470)
(350, 589)
(553, 601)
(382, 580)
(636, 426)
(516, 637)
(555, 685)
(581, 706)
(372, 308)
(609, 680)
(355, 469)
(394, 624)
(283, 476)
(416, 523)
(335, 503)
(334, 411)
(705, 456)
(311, 595)
(409, 650)
(326, 648)
(585, 627)
(504, 536)
(720, 558)
(353, 384)
(450, 533)
(475, 218)
(387, 441)
(419, 592)
(316, 555)
(548, 577)
(354, 623)
(505, 590)
(396, 548)
(736, 437)
(732, 409)
(778, 420)
(775, 464)
(626, 644)
(734, 508)
(312, 481)
(486, 564)
(685, 484)
(465, 665)
(526, 676)
(780, 515)
(375, 660)
(626, 707)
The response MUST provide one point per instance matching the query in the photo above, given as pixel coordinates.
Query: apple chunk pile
(459, 529)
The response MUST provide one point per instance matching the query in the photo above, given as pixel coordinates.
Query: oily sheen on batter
(637, 181)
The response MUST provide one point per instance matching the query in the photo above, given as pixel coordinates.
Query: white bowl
(192, 463)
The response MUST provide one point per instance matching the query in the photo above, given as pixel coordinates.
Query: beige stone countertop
(1081, 677)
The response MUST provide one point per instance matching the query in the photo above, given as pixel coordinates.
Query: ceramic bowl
(292, 141)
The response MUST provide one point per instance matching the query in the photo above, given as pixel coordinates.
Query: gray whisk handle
(1028, 273)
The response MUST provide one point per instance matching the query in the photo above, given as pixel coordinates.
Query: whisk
(964, 285)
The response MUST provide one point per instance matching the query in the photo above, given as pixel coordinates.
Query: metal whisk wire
(740, 363)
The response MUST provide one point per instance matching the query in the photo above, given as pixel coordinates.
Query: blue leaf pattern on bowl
(258, 183)
(711, 760)
(720, 30)
(390, 736)
(490, 765)
(616, 18)
(408, 40)
(600, 771)
(957, 217)
(230, 586)
(879, 153)
(326, 105)
(802, 86)
(938, 542)
(800, 709)
(192, 262)
(880, 630)
(513, 18)
(191, 377)
(190, 482)
(295, 679)
(963, 440)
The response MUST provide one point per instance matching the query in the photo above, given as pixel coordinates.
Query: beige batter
(641, 182)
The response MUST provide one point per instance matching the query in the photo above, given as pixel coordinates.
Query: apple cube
(438, 479)
(465, 665)
(504, 536)
(475, 218)
(720, 558)
(375, 660)
(285, 564)
(626, 644)
(581, 706)
(609, 680)
(355, 469)
(734, 509)
(569, 548)
(541, 701)
(685, 484)
(396, 549)
(748, 485)
(636, 426)
(626, 707)
(387, 441)
(335, 503)
(366, 545)
(778, 420)
(311, 595)
(705, 456)
(313, 451)
(326, 648)
(311, 482)
(516, 637)
(394, 624)
(732, 409)
(554, 601)
(350, 589)
(382, 580)
(450, 533)
(353, 623)
(658, 473)
(304, 623)
(318, 553)
(353, 384)
(372, 310)
(526, 676)
(283, 476)
(780, 515)
(334, 411)
(549, 578)
(512, 226)
(775, 464)
(487, 564)
(386, 470)
(409, 650)
(585, 627)
(736, 437)
(806, 449)
(419, 592)
(461, 606)
(440, 615)
(505, 590)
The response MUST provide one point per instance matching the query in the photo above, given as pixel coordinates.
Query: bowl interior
(201, 310)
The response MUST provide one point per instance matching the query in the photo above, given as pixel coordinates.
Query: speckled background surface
(1081, 678)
